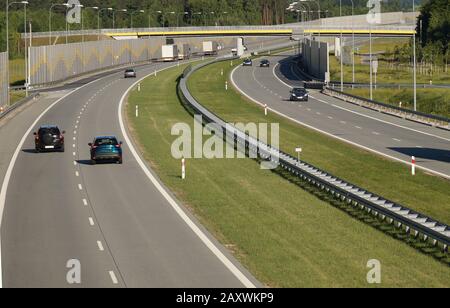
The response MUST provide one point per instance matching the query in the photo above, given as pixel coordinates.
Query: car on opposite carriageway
(299, 94)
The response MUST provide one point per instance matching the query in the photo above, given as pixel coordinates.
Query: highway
(379, 133)
(122, 225)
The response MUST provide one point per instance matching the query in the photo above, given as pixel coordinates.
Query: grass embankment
(431, 101)
(386, 73)
(274, 228)
(424, 193)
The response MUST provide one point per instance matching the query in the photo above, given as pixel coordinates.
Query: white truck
(169, 53)
(210, 48)
(184, 52)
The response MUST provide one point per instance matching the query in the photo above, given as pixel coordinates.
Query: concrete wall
(55, 63)
(315, 57)
(4, 83)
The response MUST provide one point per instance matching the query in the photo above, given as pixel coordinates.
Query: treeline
(200, 12)
(433, 35)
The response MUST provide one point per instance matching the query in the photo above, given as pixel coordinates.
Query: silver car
(130, 73)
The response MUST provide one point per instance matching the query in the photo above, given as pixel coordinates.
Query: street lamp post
(82, 19)
(150, 17)
(178, 17)
(192, 16)
(133, 13)
(414, 62)
(50, 19)
(341, 50)
(114, 16)
(353, 42)
(98, 19)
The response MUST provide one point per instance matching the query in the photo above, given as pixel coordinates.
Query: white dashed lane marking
(85, 203)
(100, 246)
(80, 187)
(113, 277)
(91, 221)
(375, 133)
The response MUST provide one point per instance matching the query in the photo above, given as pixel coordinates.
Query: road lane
(109, 217)
(397, 138)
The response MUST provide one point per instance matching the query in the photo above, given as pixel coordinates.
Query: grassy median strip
(431, 101)
(284, 235)
(425, 193)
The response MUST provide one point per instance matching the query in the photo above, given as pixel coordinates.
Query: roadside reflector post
(413, 165)
(221, 72)
(400, 104)
(226, 85)
(183, 169)
(298, 151)
(137, 111)
(265, 109)
(231, 63)
(139, 87)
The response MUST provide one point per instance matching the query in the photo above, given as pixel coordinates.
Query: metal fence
(50, 64)
(409, 221)
(4, 82)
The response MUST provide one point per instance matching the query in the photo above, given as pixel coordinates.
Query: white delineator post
(183, 169)
(137, 111)
(413, 165)
(226, 85)
(265, 109)
(298, 151)
(139, 87)
(221, 72)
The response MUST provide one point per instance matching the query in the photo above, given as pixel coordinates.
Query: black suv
(299, 94)
(49, 138)
(264, 63)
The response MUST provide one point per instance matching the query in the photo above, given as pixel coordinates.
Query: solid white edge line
(333, 136)
(361, 114)
(210, 245)
(13, 160)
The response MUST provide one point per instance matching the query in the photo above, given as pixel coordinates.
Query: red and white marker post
(183, 169)
(413, 165)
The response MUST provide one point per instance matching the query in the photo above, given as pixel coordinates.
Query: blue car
(106, 149)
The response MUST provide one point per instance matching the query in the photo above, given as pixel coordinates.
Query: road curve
(111, 218)
(383, 134)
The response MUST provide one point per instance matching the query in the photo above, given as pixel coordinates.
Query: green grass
(270, 224)
(383, 45)
(424, 193)
(17, 71)
(431, 101)
(385, 74)
(17, 96)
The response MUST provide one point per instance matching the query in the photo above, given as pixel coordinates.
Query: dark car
(299, 94)
(130, 73)
(248, 62)
(264, 63)
(106, 149)
(49, 138)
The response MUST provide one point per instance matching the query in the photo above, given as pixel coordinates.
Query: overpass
(391, 24)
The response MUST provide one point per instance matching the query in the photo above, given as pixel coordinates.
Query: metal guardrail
(412, 222)
(18, 104)
(416, 116)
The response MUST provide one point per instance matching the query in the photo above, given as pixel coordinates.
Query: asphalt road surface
(111, 218)
(383, 134)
